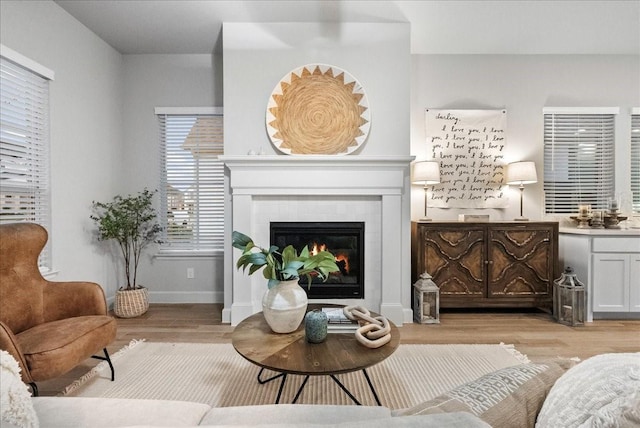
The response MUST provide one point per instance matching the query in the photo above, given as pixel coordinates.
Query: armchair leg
(34, 389)
(108, 360)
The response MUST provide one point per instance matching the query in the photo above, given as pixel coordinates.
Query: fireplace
(359, 188)
(344, 239)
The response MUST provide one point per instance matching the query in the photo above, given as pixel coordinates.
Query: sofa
(603, 391)
(96, 413)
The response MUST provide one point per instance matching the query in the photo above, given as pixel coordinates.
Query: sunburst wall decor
(318, 109)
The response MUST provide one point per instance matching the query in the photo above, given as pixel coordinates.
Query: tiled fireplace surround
(370, 189)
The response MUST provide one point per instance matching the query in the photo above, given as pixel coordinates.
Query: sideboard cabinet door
(521, 261)
(455, 259)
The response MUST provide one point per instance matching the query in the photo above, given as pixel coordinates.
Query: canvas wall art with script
(470, 146)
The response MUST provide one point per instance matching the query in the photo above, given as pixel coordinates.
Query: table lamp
(521, 173)
(426, 173)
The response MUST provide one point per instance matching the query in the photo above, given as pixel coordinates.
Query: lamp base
(521, 219)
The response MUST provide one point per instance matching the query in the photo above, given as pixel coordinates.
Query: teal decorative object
(315, 326)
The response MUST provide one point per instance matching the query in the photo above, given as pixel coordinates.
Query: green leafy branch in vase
(282, 266)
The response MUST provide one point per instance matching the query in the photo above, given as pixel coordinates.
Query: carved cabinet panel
(520, 262)
(488, 264)
(455, 258)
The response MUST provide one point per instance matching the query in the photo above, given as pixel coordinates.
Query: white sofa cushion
(68, 412)
(291, 414)
(442, 420)
(79, 412)
(602, 391)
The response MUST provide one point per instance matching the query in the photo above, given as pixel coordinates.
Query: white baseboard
(240, 311)
(226, 315)
(394, 312)
(408, 316)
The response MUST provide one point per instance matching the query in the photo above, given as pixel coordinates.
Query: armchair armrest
(73, 299)
(9, 343)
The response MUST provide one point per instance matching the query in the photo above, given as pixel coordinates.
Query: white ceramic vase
(284, 306)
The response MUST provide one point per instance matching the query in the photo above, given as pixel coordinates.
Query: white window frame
(25, 145)
(635, 160)
(604, 159)
(191, 249)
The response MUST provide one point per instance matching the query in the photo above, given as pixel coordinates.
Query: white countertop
(600, 232)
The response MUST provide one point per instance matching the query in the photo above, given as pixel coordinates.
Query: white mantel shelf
(317, 175)
(315, 160)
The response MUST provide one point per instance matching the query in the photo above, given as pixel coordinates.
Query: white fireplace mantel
(359, 179)
(314, 175)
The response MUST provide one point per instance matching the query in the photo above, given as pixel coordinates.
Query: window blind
(635, 161)
(192, 181)
(578, 161)
(24, 149)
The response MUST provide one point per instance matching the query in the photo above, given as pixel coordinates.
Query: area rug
(216, 375)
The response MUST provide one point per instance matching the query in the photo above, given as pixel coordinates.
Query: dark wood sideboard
(488, 264)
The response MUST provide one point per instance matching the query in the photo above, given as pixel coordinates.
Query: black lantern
(569, 298)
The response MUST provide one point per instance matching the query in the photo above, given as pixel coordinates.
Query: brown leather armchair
(48, 327)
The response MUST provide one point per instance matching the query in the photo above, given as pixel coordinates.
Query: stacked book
(338, 322)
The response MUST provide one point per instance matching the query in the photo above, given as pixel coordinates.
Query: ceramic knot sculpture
(376, 331)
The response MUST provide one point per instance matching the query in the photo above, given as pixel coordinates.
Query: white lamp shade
(426, 172)
(522, 173)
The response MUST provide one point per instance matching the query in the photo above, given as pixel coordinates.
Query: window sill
(188, 254)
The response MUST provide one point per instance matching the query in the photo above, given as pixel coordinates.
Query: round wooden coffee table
(291, 354)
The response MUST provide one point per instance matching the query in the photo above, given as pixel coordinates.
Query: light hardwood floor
(533, 333)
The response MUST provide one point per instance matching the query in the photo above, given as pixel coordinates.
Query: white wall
(523, 85)
(258, 55)
(86, 127)
(167, 81)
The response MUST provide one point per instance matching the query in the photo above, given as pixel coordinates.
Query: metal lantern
(426, 301)
(569, 298)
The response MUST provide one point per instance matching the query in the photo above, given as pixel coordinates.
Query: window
(635, 160)
(192, 179)
(24, 144)
(578, 158)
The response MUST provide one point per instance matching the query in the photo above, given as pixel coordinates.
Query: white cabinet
(611, 275)
(608, 262)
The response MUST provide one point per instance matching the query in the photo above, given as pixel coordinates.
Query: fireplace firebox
(344, 239)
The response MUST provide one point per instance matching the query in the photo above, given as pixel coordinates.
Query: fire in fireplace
(344, 239)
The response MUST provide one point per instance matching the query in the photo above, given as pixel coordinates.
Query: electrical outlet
(190, 273)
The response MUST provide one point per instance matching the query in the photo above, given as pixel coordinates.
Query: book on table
(336, 316)
(343, 328)
(338, 322)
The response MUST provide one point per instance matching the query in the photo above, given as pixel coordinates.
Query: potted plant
(285, 303)
(131, 222)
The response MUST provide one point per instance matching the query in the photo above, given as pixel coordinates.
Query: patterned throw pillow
(509, 397)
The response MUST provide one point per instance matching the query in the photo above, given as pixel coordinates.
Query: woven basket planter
(131, 303)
